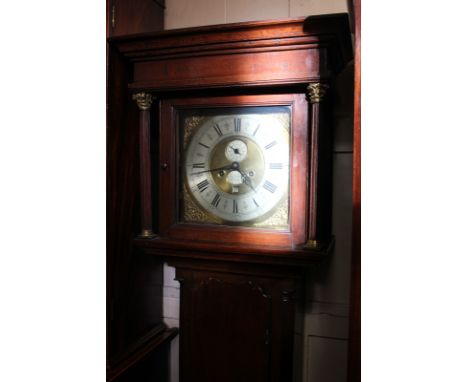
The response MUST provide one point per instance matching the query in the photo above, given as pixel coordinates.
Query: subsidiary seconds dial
(236, 150)
(237, 166)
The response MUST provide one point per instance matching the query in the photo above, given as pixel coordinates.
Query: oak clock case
(235, 166)
(234, 176)
(240, 267)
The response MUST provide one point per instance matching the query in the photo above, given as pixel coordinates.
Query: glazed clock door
(230, 173)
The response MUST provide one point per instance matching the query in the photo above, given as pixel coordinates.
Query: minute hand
(228, 167)
(246, 180)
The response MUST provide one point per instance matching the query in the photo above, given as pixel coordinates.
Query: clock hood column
(319, 222)
(144, 101)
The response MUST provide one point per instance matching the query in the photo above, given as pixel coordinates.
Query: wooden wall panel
(135, 16)
(134, 283)
(122, 198)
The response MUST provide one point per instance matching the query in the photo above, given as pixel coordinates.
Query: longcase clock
(235, 180)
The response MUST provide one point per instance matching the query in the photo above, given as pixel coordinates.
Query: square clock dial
(235, 166)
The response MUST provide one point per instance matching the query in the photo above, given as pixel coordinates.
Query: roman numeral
(218, 130)
(235, 208)
(269, 186)
(202, 144)
(237, 125)
(270, 145)
(203, 185)
(255, 131)
(255, 202)
(216, 200)
(276, 166)
(198, 165)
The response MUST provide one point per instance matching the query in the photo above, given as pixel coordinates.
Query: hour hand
(228, 167)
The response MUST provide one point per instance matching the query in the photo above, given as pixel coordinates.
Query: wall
(191, 13)
(325, 330)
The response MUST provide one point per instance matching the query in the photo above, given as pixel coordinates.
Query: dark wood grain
(145, 174)
(126, 17)
(236, 253)
(127, 314)
(218, 70)
(236, 324)
(245, 54)
(122, 196)
(320, 159)
(144, 304)
(291, 32)
(134, 282)
(354, 349)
